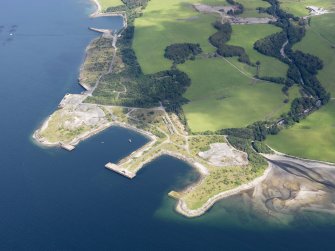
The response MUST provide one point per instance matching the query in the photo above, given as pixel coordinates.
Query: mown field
(312, 138)
(109, 3)
(298, 7)
(221, 97)
(166, 23)
(250, 8)
(246, 35)
(175, 21)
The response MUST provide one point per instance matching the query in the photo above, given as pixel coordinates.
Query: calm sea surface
(54, 200)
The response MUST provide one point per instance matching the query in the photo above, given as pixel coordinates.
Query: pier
(67, 147)
(105, 32)
(120, 171)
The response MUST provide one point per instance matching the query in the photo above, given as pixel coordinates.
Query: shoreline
(38, 139)
(87, 90)
(298, 158)
(98, 8)
(181, 206)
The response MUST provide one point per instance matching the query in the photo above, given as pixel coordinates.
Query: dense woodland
(271, 45)
(179, 53)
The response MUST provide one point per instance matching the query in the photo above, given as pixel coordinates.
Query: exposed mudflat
(295, 185)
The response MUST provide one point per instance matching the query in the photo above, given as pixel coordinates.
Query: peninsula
(206, 82)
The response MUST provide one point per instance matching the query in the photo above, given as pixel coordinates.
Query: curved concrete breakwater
(76, 120)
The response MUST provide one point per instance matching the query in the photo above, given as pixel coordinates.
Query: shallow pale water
(52, 199)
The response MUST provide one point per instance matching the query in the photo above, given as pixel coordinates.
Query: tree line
(221, 37)
(303, 67)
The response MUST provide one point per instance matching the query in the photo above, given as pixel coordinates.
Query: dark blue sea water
(54, 200)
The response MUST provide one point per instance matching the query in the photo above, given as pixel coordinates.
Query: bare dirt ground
(225, 17)
(221, 154)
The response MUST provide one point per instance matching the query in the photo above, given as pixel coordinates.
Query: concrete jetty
(174, 195)
(120, 170)
(67, 147)
(105, 32)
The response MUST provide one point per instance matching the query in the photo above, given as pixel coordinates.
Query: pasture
(246, 35)
(312, 138)
(298, 7)
(250, 8)
(221, 97)
(166, 23)
(109, 3)
(320, 41)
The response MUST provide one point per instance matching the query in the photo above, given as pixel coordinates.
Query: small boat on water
(129, 140)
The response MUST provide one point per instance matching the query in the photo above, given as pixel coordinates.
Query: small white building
(314, 10)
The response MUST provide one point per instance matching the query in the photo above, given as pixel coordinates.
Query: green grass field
(221, 97)
(246, 35)
(166, 23)
(312, 138)
(109, 3)
(320, 41)
(298, 7)
(325, 26)
(175, 21)
(250, 8)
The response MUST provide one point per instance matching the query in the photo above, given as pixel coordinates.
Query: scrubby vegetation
(249, 140)
(261, 147)
(257, 162)
(142, 90)
(202, 143)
